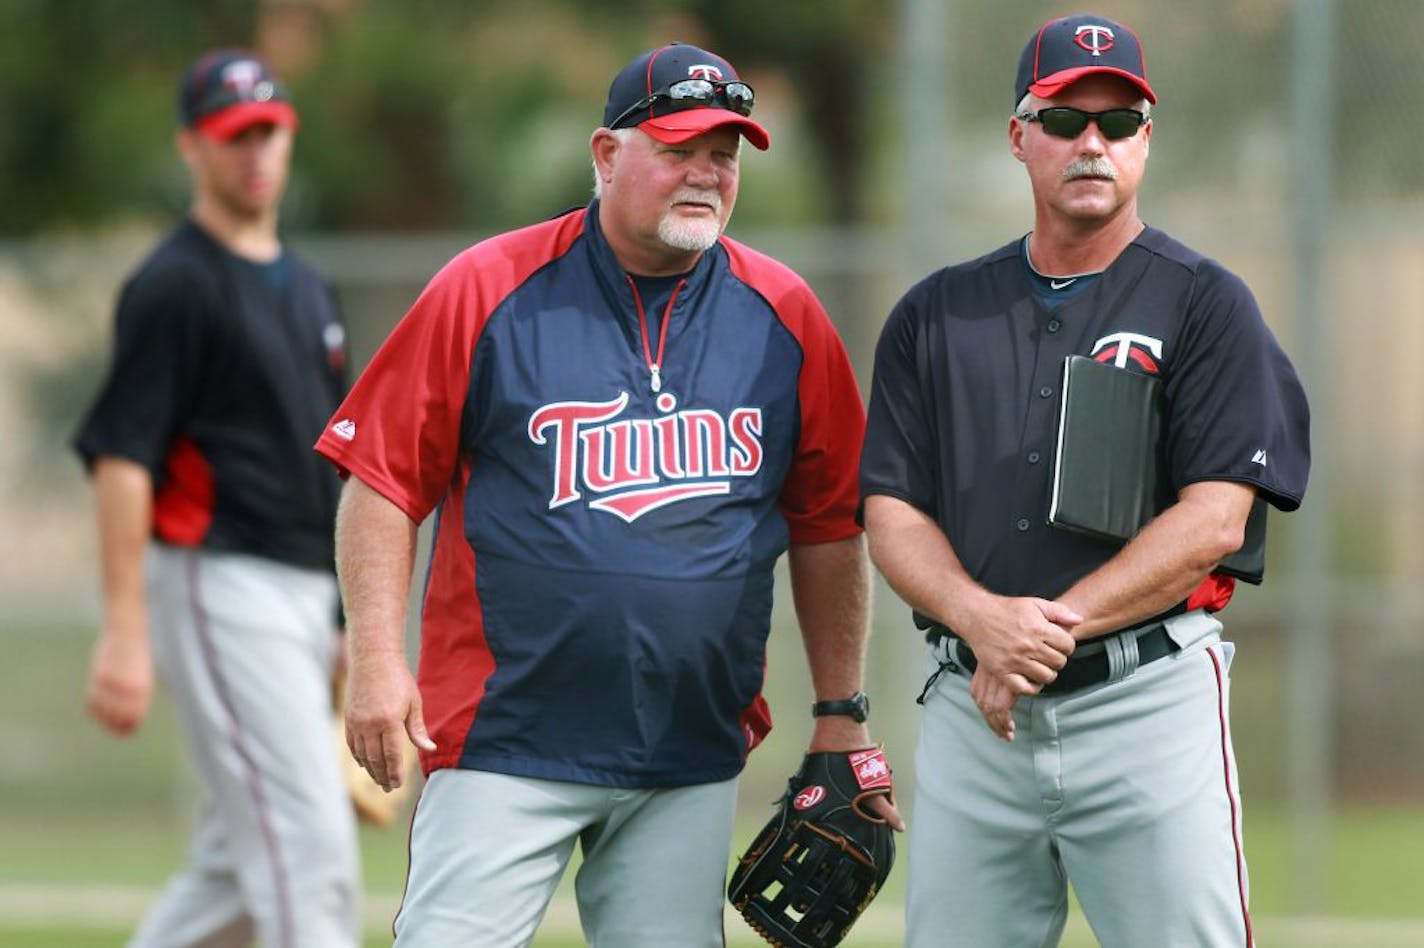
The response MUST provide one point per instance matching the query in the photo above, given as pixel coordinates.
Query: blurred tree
(374, 151)
(827, 49)
(439, 114)
(88, 95)
(416, 114)
(533, 82)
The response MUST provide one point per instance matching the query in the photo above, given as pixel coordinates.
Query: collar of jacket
(613, 279)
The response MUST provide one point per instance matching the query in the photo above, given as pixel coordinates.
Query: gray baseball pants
(1127, 789)
(244, 646)
(488, 850)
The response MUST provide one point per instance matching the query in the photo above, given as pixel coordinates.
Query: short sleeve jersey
(964, 403)
(599, 590)
(223, 373)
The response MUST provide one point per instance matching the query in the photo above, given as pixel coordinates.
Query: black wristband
(856, 707)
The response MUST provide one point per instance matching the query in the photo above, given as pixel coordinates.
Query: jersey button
(1046, 391)
(1023, 525)
(1033, 457)
(1054, 325)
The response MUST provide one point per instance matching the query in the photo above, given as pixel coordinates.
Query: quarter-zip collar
(655, 363)
(620, 291)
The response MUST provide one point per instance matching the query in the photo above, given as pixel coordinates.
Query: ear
(185, 143)
(604, 146)
(1017, 129)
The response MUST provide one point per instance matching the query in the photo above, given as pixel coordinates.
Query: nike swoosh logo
(1060, 284)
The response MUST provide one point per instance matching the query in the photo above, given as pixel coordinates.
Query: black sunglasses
(1066, 122)
(692, 93)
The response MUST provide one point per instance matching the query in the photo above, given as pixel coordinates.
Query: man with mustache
(620, 419)
(1075, 707)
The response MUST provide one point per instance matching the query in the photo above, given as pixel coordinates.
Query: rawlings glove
(815, 867)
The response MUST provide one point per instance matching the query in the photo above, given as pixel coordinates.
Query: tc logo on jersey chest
(635, 465)
(1119, 347)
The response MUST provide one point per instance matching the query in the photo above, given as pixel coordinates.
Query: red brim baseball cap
(677, 127)
(1065, 50)
(230, 121)
(1056, 83)
(645, 95)
(228, 90)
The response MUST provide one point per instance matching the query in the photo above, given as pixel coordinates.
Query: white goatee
(692, 235)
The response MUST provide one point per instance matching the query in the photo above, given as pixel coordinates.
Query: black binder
(1109, 468)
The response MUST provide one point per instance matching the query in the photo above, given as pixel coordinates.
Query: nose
(1091, 142)
(702, 171)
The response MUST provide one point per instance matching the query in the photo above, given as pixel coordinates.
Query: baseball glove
(814, 868)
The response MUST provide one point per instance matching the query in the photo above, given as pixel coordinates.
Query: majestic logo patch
(635, 465)
(810, 797)
(345, 429)
(1095, 39)
(1118, 347)
(1259, 457)
(870, 768)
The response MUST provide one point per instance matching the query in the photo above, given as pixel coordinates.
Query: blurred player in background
(215, 532)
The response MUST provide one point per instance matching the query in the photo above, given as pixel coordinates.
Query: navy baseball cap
(642, 95)
(1065, 50)
(228, 90)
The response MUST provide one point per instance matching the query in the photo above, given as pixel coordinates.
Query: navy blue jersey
(608, 518)
(223, 372)
(964, 404)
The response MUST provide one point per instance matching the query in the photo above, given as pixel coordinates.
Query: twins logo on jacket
(637, 465)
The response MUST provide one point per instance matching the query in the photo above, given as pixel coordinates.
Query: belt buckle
(1123, 656)
(1104, 660)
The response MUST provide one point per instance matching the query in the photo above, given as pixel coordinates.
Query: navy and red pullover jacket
(599, 592)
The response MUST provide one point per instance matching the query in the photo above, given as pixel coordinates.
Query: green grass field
(84, 882)
(90, 827)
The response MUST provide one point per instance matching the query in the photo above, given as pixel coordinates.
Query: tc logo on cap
(242, 77)
(1095, 39)
(703, 71)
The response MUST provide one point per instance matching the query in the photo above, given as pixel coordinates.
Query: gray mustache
(692, 196)
(1090, 168)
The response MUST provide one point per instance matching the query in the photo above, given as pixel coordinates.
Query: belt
(1103, 659)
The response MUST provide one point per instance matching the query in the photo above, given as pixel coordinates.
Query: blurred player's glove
(815, 867)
